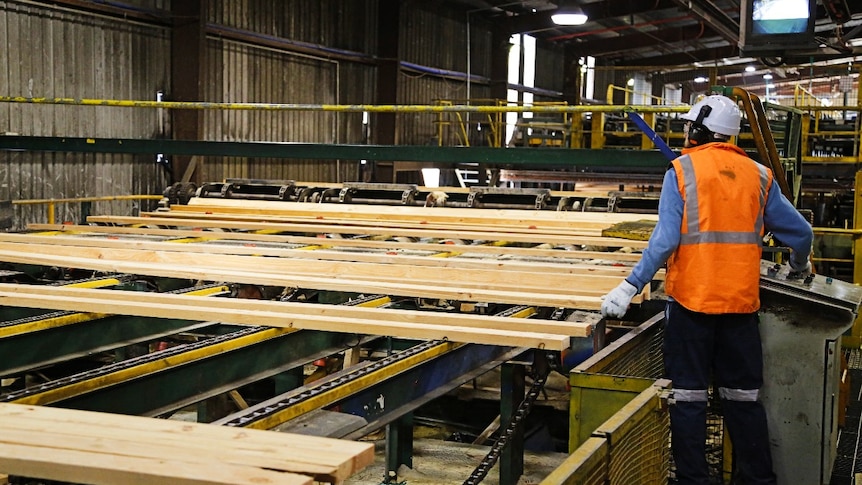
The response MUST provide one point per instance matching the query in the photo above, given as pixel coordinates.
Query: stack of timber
(99, 448)
(519, 257)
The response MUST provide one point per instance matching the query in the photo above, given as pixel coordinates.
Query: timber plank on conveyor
(500, 234)
(504, 217)
(583, 228)
(323, 253)
(100, 448)
(551, 335)
(551, 296)
(441, 244)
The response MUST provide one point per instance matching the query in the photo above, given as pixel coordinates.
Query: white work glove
(616, 303)
(802, 267)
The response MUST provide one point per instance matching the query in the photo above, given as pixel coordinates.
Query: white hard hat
(722, 116)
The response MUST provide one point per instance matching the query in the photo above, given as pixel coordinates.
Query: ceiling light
(749, 69)
(700, 79)
(767, 76)
(569, 13)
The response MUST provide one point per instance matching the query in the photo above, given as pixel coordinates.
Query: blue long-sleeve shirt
(779, 217)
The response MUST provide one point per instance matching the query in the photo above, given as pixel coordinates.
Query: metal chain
(520, 414)
(319, 388)
(125, 364)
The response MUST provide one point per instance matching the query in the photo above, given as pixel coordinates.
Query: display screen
(779, 17)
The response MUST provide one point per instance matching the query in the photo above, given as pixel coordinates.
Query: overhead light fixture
(750, 69)
(700, 79)
(767, 76)
(569, 13)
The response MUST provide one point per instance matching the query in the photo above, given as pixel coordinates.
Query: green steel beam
(567, 157)
(178, 386)
(32, 350)
(347, 108)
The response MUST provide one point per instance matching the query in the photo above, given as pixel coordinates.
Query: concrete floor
(437, 462)
(440, 462)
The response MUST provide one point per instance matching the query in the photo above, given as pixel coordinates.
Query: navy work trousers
(725, 348)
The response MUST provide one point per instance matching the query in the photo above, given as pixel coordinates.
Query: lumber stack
(518, 257)
(99, 448)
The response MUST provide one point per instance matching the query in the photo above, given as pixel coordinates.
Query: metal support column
(385, 130)
(188, 42)
(512, 391)
(399, 446)
(288, 380)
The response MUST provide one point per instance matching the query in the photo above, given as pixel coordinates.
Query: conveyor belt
(270, 414)
(107, 375)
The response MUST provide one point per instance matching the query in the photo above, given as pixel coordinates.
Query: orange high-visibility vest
(716, 268)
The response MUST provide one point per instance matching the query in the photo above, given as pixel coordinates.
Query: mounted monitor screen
(776, 26)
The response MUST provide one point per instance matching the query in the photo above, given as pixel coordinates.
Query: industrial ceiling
(670, 32)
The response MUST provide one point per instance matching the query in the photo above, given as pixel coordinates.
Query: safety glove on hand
(616, 303)
(800, 265)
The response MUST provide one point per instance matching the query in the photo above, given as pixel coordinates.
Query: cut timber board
(552, 297)
(498, 235)
(447, 245)
(525, 279)
(205, 246)
(99, 448)
(255, 312)
(583, 228)
(521, 217)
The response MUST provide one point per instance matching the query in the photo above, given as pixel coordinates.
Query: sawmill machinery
(222, 298)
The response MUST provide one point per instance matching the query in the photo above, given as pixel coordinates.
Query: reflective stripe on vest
(738, 394)
(694, 235)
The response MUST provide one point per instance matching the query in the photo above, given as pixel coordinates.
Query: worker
(714, 208)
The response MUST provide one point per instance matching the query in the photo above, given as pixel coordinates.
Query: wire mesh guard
(644, 453)
(848, 458)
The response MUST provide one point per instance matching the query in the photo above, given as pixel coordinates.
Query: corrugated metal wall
(59, 53)
(56, 51)
(243, 72)
(550, 70)
(437, 40)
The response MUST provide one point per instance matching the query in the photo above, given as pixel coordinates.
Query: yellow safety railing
(52, 203)
(598, 133)
(820, 143)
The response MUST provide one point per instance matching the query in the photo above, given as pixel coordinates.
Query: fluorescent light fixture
(750, 69)
(569, 14)
(700, 79)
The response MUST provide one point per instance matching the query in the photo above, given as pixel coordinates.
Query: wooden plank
(573, 328)
(405, 213)
(243, 315)
(486, 279)
(350, 455)
(371, 255)
(541, 250)
(188, 443)
(553, 297)
(106, 469)
(333, 462)
(584, 228)
(500, 235)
